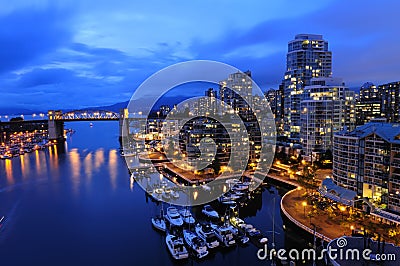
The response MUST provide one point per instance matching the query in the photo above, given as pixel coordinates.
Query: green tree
(306, 179)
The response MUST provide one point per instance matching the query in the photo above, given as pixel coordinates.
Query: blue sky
(70, 54)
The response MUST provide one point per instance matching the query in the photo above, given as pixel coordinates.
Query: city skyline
(63, 55)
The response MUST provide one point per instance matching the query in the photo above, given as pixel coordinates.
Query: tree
(306, 179)
(216, 165)
(16, 119)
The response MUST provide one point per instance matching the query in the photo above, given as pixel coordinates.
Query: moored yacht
(176, 247)
(195, 243)
(173, 217)
(210, 212)
(224, 234)
(187, 216)
(206, 233)
(159, 223)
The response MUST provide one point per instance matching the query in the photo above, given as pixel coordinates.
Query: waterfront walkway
(329, 225)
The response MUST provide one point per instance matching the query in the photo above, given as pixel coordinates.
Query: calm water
(74, 205)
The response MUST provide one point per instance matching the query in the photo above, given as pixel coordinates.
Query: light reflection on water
(88, 164)
(98, 158)
(112, 167)
(9, 172)
(38, 167)
(93, 211)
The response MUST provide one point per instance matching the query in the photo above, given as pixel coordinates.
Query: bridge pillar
(123, 115)
(55, 125)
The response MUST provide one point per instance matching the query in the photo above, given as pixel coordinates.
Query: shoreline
(287, 214)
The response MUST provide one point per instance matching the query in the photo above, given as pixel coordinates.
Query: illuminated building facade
(308, 57)
(391, 101)
(368, 105)
(367, 160)
(328, 107)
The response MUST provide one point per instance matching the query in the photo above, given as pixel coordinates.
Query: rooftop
(388, 131)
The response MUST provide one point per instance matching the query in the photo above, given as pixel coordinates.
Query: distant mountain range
(17, 111)
(114, 107)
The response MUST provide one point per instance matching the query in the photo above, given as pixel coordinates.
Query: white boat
(176, 247)
(206, 233)
(187, 216)
(238, 193)
(173, 217)
(224, 234)
(195, 243)
(174, 194)
(232, 181)
(227, 201)
(240, 186)
(241, 237)
(5, 156)
(236, 222)
(254, 234)
(166, 195)
(158, 191)
(233, 196)
(210, 212)
(159, 224)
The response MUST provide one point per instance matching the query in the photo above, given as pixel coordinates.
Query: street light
(304, 205)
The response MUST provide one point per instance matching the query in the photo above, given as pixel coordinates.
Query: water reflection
(9, 172)
(37, 163)
(98, 159)
(112, 167)
(53, 154)
(75, 163)
(132, 183)
(24, 166)
(88, 165)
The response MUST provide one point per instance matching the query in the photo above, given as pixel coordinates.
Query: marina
(73, 216)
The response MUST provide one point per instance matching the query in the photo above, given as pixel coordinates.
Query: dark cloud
(42, 62)
(29, 33)
(40, 76)
(362, 36)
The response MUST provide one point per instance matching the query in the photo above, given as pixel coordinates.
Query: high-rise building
(367, 160)
(308, 57)
(328, 107)
(207, 105)
(368, 104)
(390, 107)
(236, 91)
(275, 101)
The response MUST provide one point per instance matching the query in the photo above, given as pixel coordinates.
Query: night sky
(72, 54)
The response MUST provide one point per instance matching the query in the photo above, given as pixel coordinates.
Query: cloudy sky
(70, 54)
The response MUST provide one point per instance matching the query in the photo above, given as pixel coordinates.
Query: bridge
(56, 118)
(93, 115)
(55, 121)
